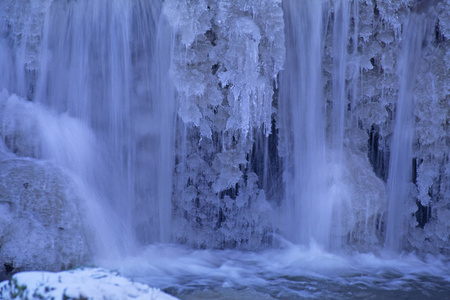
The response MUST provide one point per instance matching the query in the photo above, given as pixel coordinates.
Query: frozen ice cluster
(374, 82)
(24, 24)
(226, 60)
(225, 66)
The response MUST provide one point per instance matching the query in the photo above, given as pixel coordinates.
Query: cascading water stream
(102, 67)
(162, 92)
(339, 105)
(317, 198)
(302, 117)
(400, 178)
(86, 75)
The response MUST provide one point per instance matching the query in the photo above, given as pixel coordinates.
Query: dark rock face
(40, 218)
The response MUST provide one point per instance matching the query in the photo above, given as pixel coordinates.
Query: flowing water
(98, 80)
(339, 107)
(303, 119)
(104, 66)
(290, 272)
(400, 178)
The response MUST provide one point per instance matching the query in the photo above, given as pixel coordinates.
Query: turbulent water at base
(288, 149)
(290, 272)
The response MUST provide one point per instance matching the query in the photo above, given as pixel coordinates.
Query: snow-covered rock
(89, 283)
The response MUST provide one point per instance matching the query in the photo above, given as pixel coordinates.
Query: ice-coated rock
(40, 218)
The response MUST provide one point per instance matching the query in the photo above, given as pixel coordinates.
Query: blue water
(289, 272)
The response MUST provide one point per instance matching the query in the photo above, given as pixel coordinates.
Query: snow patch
(89, 283)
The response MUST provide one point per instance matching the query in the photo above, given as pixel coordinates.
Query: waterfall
(302, 117)
(339, 105)
(337, 123)
(400, 184)
(313, 134)
(221, 124)
(332, 195)
(164, 112)
(111, 71)
(105, 64)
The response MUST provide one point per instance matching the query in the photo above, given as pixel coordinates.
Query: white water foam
(293, 271)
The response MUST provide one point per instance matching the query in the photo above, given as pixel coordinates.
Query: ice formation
(377, 101)
(319, 141)
(220, 124)
(226, 61)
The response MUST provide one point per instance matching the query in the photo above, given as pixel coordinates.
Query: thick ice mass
(225, 67)
(228, 56)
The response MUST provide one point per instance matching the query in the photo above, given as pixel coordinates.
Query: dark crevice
(377, 156)
(423, 214)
